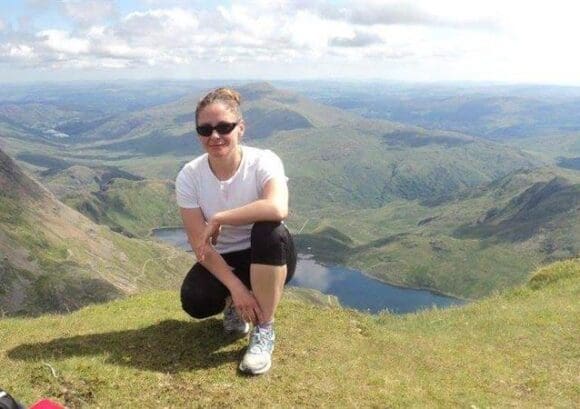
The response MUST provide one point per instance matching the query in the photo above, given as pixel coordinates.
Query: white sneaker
(233, 323)
(258, 357)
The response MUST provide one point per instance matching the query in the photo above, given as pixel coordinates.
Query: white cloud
(422, 40)
(358, 39)
(18, 52)
(413, 14)
(39, 4)
(171, 28)
(87, 12)
(61, 42)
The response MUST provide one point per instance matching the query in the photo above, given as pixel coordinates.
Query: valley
(451, 210)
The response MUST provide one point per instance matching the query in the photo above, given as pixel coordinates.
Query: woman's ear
(242, 127)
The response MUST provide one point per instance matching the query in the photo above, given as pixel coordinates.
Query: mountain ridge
(56, 259)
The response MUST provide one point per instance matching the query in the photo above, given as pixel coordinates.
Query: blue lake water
(352, 288)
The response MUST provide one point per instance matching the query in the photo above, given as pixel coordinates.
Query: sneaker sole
(235, 334)
(238, 333)
(256, 371)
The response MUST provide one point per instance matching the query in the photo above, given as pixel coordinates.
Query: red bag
(46, 404)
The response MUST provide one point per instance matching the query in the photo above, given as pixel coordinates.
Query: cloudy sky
(415, 40)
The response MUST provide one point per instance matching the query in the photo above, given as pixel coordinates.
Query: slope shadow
(170, 346)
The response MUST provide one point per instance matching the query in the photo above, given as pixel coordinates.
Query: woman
(233, 200)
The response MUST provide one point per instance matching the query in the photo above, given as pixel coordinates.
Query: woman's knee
(265, 234)
(197, 311)
(200, 296)
(198, 307)
(271, 244)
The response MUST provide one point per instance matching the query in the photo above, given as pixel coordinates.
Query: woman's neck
(225, 168)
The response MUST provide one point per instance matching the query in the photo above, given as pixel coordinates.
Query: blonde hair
(229, 97)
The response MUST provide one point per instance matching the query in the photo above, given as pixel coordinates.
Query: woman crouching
(233, 200)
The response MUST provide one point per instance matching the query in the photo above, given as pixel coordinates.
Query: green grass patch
(518, 349)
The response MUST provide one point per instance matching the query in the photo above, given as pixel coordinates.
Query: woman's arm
(272, 206)
(208, 257)
(194, 225)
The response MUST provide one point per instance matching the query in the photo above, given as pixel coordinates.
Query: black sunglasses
(223, 128)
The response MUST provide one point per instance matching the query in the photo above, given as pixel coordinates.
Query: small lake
(353, 288)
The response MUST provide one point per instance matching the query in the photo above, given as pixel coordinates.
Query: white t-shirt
(197, 186)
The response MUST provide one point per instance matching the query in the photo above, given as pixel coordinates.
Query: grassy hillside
(55, 259)
(492, 111)
(474, 242)
(397, 191)
(561, 148)
(481, 240)
(519, 348)
(131, 207)
(77, 180)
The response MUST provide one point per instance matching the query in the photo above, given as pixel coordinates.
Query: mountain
(133, 208)
(331, 155)
(553, 204)
(399, 193)
(349, 159)
(539, 120)
(52, 258)
(515, 348)
(73, 180)
(482, 239)
(499, 112)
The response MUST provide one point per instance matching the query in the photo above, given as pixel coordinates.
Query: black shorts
(203, 295)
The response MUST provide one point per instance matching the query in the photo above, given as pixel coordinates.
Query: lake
(352, 288)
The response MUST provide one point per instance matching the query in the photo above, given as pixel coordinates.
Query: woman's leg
(273, 264)
(202, 295)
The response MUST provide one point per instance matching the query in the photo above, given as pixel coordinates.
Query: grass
(516, 349)
(73, 262)
(133, 207)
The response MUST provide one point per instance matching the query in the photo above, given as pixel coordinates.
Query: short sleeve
(185, 190)
(269, 166)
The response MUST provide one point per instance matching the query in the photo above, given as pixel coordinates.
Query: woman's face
(220, 145)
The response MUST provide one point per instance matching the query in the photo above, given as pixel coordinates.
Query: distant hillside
(482, 240)
(560, 148)
(514, 349)
(553, 204)
(130, 207)
(331, 155)
(402, 195)
(54, 259)
(75, 180)
(490, 111)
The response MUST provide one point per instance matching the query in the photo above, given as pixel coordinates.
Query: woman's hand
(208, 236)
(247, 305)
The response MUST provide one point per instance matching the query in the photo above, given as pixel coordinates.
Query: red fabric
(46, 404)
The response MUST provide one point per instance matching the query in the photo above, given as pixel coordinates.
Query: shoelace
(260, 341)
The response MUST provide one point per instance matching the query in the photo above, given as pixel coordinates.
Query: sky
(506, 41)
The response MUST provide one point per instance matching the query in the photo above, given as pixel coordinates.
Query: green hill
(345, 156)
(519, 348)
(52, 258)
(130, 207)
(478, 241)
(407, 198)
(500, 112)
